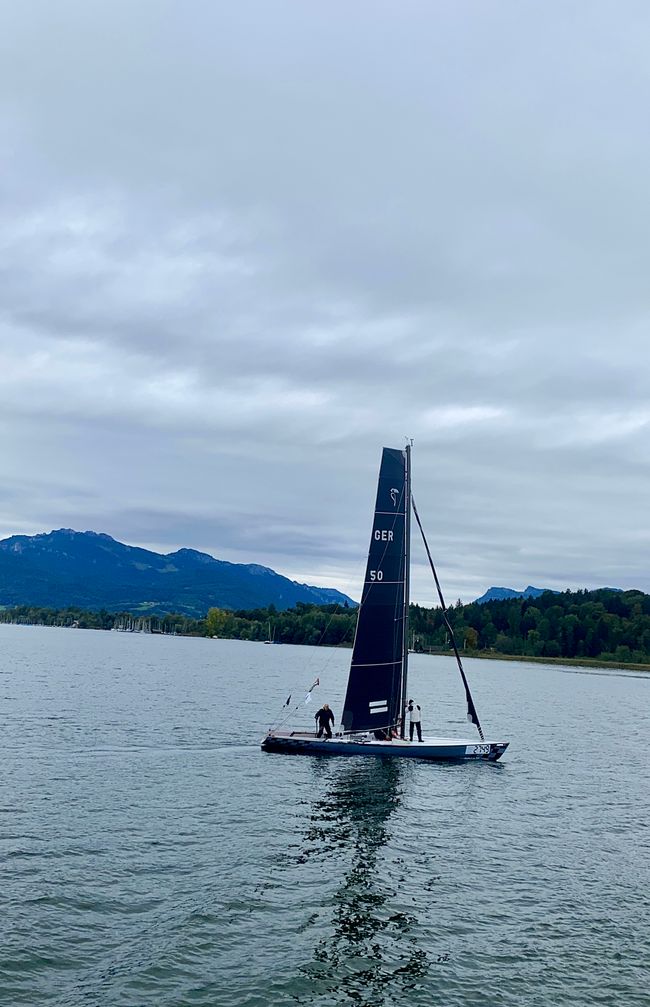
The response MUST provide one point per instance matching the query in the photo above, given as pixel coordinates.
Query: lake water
(152, 856)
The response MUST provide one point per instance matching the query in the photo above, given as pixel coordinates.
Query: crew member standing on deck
(324, 717)
(415, 719)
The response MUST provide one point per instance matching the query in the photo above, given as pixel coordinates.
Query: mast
(407, 581)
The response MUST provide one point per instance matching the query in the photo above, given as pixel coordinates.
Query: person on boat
(386, 733)
(324, 717)
(415, 719)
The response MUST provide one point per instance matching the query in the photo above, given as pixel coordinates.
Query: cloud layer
(244, 246)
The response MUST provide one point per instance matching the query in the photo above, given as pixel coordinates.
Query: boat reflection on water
(369, 952)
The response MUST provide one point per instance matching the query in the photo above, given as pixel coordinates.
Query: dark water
(152, 855)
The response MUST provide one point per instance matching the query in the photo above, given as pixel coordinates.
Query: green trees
(605, 624)
(316, 625)
(218, 622)
(602, 625)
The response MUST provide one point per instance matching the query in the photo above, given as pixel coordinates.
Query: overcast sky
(245, 245)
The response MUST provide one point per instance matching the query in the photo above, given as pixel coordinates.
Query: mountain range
(501, 593)
(91, 570)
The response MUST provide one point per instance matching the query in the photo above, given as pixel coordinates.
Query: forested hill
(607, 624)
(610, 626)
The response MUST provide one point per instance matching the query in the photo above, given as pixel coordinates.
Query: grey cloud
(241, 248)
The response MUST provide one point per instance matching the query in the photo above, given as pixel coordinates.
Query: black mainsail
(374, 697)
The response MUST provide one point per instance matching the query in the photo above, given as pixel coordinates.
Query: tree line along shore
(582, 627)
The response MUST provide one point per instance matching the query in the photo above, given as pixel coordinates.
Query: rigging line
(321, 669)
(302, 702)
(328, 624)
(471, 709)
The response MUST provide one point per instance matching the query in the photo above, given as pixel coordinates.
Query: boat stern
(497, 748)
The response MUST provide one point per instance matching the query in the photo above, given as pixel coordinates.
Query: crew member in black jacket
(324, 717)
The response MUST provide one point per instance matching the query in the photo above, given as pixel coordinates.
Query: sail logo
(394, 495)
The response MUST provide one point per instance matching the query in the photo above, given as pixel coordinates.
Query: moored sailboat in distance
(373, 720)
(271, 636)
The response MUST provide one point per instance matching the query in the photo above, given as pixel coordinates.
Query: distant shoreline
(482, 655)
(573, 662)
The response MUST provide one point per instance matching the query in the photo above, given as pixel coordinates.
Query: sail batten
(373, 697)
(374, 664)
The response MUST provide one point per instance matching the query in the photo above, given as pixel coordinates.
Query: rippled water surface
(152, 856)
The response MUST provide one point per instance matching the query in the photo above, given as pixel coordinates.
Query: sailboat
(271, 636)
(374, 712)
